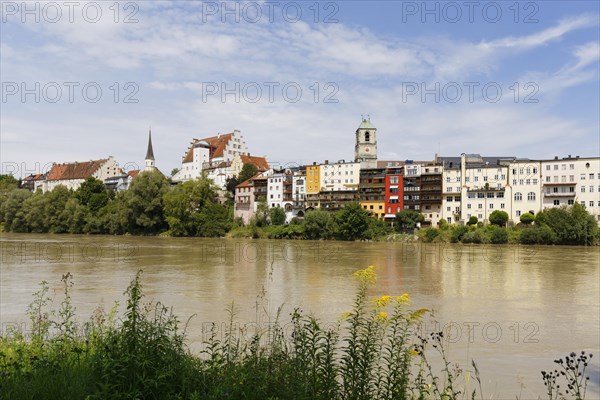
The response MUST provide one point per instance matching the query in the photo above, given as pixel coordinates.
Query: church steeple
(150, 154)
(365, 149)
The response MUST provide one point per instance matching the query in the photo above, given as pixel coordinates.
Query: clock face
(367, 149)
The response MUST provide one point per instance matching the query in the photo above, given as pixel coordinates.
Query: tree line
(153, 206)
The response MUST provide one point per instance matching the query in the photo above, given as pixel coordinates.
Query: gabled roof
(250, 182)
(76, 170)
(133, 173)
(217, 144)
(261, 163)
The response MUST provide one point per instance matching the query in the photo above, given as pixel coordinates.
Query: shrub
(458, 231)
(430, 234)
(406, 220)
(472, 221)
(277, 216)
(499, 218)
(527, 218)
(541, 234)
(498, 235)
(443, 225)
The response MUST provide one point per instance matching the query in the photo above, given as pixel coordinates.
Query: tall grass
(373, 352)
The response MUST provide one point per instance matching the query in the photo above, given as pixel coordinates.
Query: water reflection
(514, 309)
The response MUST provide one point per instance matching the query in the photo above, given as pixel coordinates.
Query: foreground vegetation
(152, 206)
(374, 352)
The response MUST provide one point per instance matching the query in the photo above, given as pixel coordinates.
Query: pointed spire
(150, 152)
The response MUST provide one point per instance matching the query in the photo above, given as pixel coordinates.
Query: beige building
(72, 175)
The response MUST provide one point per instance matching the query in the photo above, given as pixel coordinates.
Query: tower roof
(366, 124)
(149, 152)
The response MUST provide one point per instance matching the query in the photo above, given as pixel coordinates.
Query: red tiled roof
(35, 177)
(260, 162)
(76, 170)
(133, 173)
(249, 182)
(217, 144)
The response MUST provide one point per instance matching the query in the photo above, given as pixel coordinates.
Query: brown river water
(514, 309)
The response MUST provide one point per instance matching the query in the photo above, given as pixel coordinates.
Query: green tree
(247, 172)
(116, 217)
(146, 203)
(214, 220)
(277, 216)
(92, 193)
(472, 221)
(318, 224)
(527, 218)
(498, 235)
(74, 216)
(8, 183)
(55, 203)
(184, 203)
(261, 217)
(572, 225)
(12, 210)
(34, 212)
(499, 218)
(406, 220)
(352, 222)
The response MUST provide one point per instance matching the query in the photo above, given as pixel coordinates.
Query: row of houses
(449, 188)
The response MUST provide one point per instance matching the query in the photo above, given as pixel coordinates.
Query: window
(563, 178)
(556, 202)
(530, 196)
(468, 206)
(394, 180)
(471, 195)
(518, 213)
(480, 195)
(591, 189)
(491, 206)
(480, 216)
(591, 176)
(571, 166)
(448, 179)
(518, 196)
(591, 204)
(448, 209)
(583, 189)
(502, 205)
(582, 177)
(520, 181)
(449, 198)
(547, 179)
(556, 167)
(457, 198)
(367, 136)
(570, 202)
(480, 205)
(547, 168)
(476, 179)
(535, 170)
(490, 195)
(520, 171)
(500, 195)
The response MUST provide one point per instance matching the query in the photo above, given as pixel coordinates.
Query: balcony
(559, 194)
(560, 183)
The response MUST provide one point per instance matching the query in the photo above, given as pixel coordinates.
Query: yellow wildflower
(382, 316)
(403, 300)
(366, 276)
(345, 316)
(382, 301)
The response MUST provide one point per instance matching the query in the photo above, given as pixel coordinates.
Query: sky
(85, 80)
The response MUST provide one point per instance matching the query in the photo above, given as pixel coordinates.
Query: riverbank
(374, 352)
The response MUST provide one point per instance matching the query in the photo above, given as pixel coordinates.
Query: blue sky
(372, 58)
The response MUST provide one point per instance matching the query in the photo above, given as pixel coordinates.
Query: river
(514, 309)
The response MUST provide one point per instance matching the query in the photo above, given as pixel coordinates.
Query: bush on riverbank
(374, 351)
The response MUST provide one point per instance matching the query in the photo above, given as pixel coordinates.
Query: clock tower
(365, 150)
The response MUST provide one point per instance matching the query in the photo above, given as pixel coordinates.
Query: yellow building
(312, 179)
(313, 185)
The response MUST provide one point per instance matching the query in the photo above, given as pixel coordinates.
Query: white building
(208, 152)
(72, 175)
(524, 178)
(571, 179)
(340, 176)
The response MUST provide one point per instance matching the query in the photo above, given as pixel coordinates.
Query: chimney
(326, 161)
(569, 156)
(556, 157)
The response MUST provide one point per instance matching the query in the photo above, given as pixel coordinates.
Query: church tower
(365, 150)
(149, 155)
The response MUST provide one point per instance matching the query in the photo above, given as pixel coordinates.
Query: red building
(394, 192)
